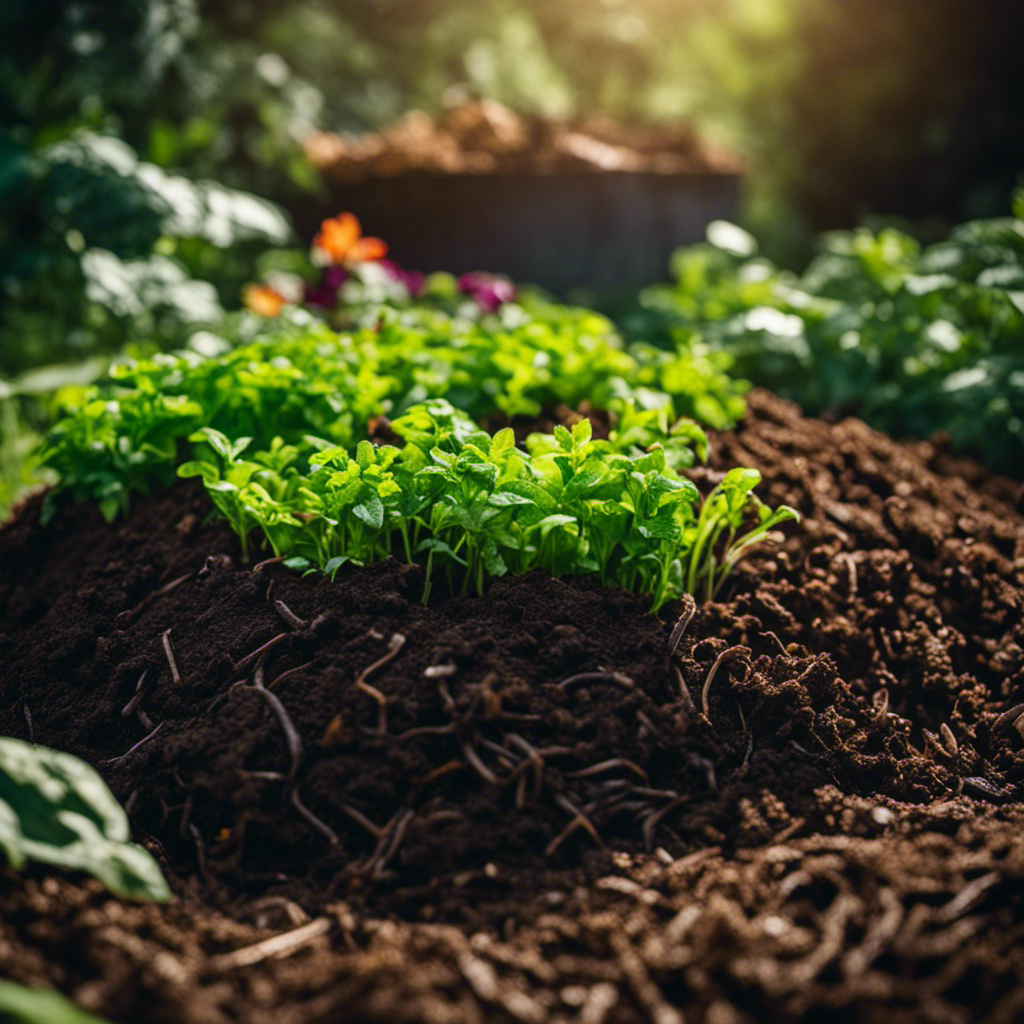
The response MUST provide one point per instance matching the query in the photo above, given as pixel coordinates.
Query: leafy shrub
(914, 341)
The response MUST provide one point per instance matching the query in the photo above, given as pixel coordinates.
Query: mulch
(529, 806)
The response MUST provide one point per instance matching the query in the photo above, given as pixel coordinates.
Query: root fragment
(395, 644)
(278, 946)
(292, 737)
(289, 616)
(729, 654)
(131, 750)
(169, 651)
(585, 678)
(682, 623)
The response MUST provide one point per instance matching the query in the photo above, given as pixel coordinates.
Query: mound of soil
(546, 804)
(485, 137)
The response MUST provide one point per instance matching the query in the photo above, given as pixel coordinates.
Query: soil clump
(526, 806)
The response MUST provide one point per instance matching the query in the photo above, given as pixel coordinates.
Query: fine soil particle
(525, 806)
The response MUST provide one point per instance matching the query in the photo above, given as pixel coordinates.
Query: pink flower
(489, 291)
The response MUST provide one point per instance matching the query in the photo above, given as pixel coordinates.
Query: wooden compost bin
(600, 230)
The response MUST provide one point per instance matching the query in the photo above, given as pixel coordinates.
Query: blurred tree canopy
(843, 108)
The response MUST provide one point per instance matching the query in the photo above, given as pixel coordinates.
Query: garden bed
(530, 807)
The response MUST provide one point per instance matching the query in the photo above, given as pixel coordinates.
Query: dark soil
(523, 810)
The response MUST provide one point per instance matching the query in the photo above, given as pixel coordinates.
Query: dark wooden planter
(605, 232)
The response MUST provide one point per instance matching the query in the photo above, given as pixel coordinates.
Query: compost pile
(545, 804)
(485, 137)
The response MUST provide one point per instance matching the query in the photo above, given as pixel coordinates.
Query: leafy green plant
(474, 507)
(55, 809)
(292, 376)
(912, 340)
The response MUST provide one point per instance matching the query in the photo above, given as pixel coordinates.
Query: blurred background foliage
(135, 135)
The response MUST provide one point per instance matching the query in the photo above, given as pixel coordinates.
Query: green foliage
(476, 506)
(912, 340)
(96, 247)
(20, 1005)
(292, 377)
(56, 810)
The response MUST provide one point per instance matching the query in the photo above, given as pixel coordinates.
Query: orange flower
(262, 299)
(341, 239)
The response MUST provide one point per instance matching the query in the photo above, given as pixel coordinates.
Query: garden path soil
(525, 810)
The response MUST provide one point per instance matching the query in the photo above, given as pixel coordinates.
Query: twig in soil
(579, 820)
(967, 898)
(426, 730)
(287, 673)
(267, 561)
(289, 616)
(584, 678)
(126, 617)
(684, 692)
(291, 734)
(729, 654)
(279, 945)
(169, 651)
(446, 697)
(536, 758)
(439, 773)
(646, 724)
(135, 704)
(243, 666)
(478, 766)
(604, 766)
(27, 712)
(131, 750)
(395, 644)
(681, 624)
(394, 841)
(503, 752)
(851, 572)
(361, 819)
(654, 819)
(382, 705)
(443, 817)
(322, 827)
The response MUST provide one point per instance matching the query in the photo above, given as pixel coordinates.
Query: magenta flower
(325, 294)
(489, 291)
(411, 279)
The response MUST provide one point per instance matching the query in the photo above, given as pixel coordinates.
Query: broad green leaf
(563, 437)
(219, 442)
(57, 810)
(20, 1005)
(504, 440)
(582, 432)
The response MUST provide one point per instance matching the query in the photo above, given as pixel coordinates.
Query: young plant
(717, 542)
(225, 479)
